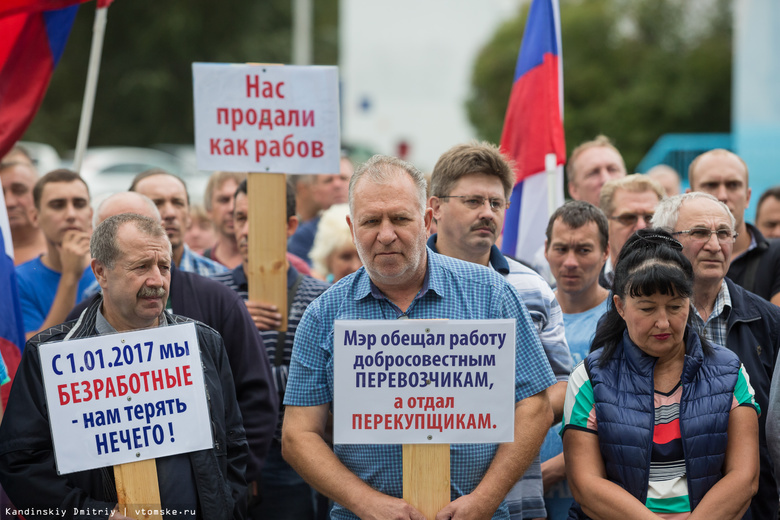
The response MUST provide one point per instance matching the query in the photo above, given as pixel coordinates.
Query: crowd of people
(647, 334)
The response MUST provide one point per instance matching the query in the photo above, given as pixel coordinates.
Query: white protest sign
(125, 397)
(266, 118)
(423, 381)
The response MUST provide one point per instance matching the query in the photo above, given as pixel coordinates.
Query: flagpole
(551, 167)
(98, 33)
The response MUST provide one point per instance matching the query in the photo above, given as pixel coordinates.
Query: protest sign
(423, 381)
(267, 118)
(125, 397)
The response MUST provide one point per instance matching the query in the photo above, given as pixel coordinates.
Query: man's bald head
(126, 202)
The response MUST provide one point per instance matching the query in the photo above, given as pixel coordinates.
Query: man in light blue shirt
(576, 249)
(470, 188)
(402, 278)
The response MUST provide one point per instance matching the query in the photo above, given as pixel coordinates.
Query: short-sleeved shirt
(667, 493)
(38, 286)
(580, 331)
(452, 289)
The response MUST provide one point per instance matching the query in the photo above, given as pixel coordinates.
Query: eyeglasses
(477, 201)
(704, 234)
(630, 219)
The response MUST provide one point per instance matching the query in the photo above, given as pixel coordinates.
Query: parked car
(108, 170)
(44, 156)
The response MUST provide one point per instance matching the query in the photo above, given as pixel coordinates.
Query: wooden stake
(267, 273)
(137, 488)
(426, 477)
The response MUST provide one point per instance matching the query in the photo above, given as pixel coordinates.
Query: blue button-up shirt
(453, 289)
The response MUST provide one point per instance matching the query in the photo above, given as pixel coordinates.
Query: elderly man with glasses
(628, 203)
(725, 313)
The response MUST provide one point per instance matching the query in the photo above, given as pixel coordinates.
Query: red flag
(9, 7)
(533, 128)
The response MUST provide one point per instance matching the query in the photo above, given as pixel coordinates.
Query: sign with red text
(125, 397)
(267, 118)
(423, 381)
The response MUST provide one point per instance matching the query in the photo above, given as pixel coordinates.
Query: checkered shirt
(192, 262)
(714, 329)
(453, 289)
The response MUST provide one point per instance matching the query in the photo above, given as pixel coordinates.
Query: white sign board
(423, 381)
(125, 397)
(266, 118)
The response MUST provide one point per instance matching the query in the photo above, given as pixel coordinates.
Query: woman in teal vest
(658, 423)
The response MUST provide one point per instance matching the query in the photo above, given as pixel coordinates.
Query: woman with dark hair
(657, 422)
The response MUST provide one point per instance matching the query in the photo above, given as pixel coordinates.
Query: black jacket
(27, 468)
(754, 335)
(765, 279)
(220, 308)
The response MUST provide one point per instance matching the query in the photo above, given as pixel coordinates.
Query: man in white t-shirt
(576, 249)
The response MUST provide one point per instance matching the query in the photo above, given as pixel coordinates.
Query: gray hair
(383, 169)
(668, 210)
(103, 245)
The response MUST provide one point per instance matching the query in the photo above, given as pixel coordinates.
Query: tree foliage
(144, 93)
(632, 69)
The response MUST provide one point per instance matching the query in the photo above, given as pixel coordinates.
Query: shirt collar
(365, 287)
(497, 259)
(103, 327)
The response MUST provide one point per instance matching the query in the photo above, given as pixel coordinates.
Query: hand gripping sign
(424, 384)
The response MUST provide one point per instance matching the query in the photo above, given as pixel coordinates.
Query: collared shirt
(194, 263)
(455, 290)
(541, 303)
(174, 473)
(609, 271)
(715, 329)
(526, 498)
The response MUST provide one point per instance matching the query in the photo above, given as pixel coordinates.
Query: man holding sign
(401, 279)
(131, 260)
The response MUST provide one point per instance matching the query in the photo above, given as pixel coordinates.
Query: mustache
(485, 223)
(151, 292)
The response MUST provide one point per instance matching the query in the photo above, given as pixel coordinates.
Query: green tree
(144, 91)
(632, 69)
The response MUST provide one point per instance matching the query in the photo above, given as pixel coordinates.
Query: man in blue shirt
(402, 278)
(470, 187)
(50, 285)
(576, 249)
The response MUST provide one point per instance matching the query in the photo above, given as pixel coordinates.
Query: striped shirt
(667, 492)
(308, 289)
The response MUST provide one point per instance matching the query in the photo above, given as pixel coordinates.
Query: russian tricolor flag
(32, 37)
(11, 324)
(533, 128)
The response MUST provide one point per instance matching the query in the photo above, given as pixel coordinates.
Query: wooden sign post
(427, 477)
(267, 273)
(267, 119)
(124, 400)
(136, 483)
